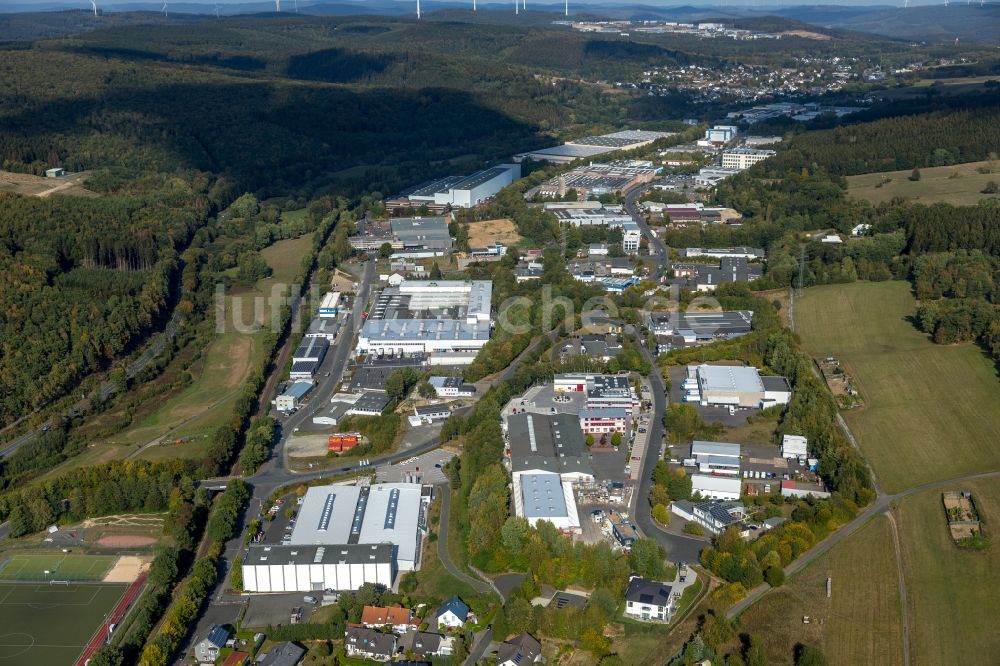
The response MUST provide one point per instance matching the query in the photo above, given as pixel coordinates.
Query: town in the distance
(580, 336)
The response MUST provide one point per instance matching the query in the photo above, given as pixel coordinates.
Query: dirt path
(903, 609)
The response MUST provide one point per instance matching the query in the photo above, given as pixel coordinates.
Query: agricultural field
(51, 624)
(959, 185)
(951, 591)
(488, 232)
(860, 623)
(930, 411)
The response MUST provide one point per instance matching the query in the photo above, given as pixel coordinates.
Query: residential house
(422, 644)
(648, 600)
(519, 651)
(399, 618)
(207, 650)
(369, 644)
(282, 654)
(452, 613)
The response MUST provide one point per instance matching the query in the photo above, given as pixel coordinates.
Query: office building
(744, 158)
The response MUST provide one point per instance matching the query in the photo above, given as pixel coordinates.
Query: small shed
(56, 172)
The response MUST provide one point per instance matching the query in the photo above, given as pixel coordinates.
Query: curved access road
(442, 542)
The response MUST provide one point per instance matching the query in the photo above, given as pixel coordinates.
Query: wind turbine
(418, 10)
(164, 10)
(517, 7)
(566, 13)
(277, 5)
(296, 6)
(216, 10)
(93, 3)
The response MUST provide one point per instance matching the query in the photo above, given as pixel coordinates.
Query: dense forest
(81, 280)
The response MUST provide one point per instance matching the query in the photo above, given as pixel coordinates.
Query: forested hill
(82, 279)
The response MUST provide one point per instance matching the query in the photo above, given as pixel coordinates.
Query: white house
(648, 600)
(207, 651)
(452, 614)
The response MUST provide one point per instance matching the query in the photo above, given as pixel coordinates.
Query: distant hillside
(935, 23)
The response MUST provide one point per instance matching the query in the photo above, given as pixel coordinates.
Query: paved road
(106, 390)
(480, 644)
(442, 541)
(657, 247)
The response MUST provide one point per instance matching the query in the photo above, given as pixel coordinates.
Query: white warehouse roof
(716, 486)
(739, 378)
(700, 448)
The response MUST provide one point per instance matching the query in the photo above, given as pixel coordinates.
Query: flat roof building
(311, 349)
(380, 514)
(739, 386)
(427, 316)
(545, 496)
(710, 486)
(548, 443)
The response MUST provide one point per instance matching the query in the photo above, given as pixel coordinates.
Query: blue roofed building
(452, 613)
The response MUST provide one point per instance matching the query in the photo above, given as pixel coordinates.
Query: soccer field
(61, 566)
(50, 624)
(931, 411)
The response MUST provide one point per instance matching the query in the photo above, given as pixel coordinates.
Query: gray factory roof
(553, 442)
(621, 139)
(424, 329)
(371, 401)
(608, 413)
(312, 347)
(543, 496)
(304, 366)
(775, 383)
(427, 189)
(422, 229)
(475, 180)
(323, 326)
(382, 513)
(700, 448)
(716, 323)
(729, 378)
(329, 554)
(566, 150)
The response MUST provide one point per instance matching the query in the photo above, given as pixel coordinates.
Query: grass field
(952, 593)
(931, 411)
(50, 624)
(959, 185)
(860, 623)
(60, 566)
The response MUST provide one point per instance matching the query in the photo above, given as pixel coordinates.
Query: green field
(931, 411)
(952, 592)
(60, 566)
(959, 185)
(860, 623)
(50, 624)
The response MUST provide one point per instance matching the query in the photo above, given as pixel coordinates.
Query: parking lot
(428, 468)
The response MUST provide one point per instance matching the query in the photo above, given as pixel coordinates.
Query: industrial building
(308, 357)
(408, 236)
(744, 158)
(345, 536)
(544, 496)
(748, 253)
(451, 387)
(591, 146)
(321, 327)
(589, 214)
(599, 178)
(709, 486)
(330, 305)
(292, 396)
(424, 317)
(733, 385)
(716, 458)
(718, 135)
(603, 391)
(676, 330)
(793, 446)
(603, 421)
(458, 191)
(540, 443)
(705, 277)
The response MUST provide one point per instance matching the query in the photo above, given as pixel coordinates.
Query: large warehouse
(423, 317)
(737, 386)
(359, 534)
(543, 496)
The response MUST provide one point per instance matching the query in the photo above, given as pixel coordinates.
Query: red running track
(100, 636)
